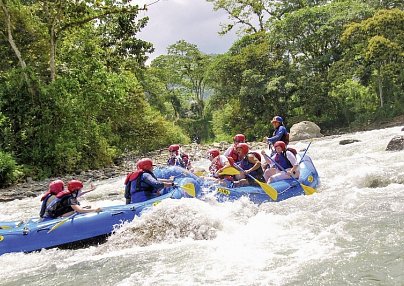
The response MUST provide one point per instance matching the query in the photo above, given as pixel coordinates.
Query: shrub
(9, 170)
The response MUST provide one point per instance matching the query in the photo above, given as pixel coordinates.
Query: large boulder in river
(396, 143)
(304, 130)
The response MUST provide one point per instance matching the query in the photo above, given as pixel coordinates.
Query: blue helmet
(277, 119)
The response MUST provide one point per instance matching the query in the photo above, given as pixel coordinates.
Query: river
(349, 233)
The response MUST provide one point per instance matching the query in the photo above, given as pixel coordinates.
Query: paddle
(307, 190)
(189, 188)
(231, 171)
(60, 223)
(269, 190)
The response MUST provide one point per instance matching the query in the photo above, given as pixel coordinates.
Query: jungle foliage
(75, 92)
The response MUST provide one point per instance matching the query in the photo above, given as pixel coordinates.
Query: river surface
(349, 233)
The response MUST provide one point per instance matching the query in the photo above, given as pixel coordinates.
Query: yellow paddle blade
(200, 173)
(189, 188)
(58, 224)
(229, 171)
(63, 221)
(5, 227)
(308, 190)
(269, 190)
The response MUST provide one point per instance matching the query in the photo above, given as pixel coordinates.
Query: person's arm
(156, 184)
(227, 152)
(92, 188)
(79, 209)
(257, 164)
(295, 165)
(224, 162)
(278, 135)
(168, 181)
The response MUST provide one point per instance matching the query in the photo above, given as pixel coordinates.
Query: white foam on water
(349, 233)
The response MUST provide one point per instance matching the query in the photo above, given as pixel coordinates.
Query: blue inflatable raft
(305, 185)
(80, 229)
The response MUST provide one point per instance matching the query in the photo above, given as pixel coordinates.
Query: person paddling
(285, 159)
(231, 151)
(66, 202)
(250, 164)
(55, 187)
(142, 185)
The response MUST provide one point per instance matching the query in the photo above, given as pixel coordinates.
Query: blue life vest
(176, 161)
(245, 164)
(44, 205)
(139, 190)
(283, 161)
(59, 206)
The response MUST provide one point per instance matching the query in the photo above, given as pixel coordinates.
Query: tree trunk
(15, 48)
(380, 85)
(52, 64)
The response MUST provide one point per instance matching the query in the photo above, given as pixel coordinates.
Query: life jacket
(128, 182)
(283, 160)
(176, 161)
(215, 165)
(133, 183)
(245, 164)
(257, 155)
(45, 199)
(285, 136)
(59, 206)
(185, 160)
(49, 195)
(233, 154)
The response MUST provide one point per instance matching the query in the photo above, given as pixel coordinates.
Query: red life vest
(133, 176)
(233, 154)
(215, 165)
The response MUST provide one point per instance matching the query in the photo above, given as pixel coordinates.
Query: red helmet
(214, 152)
(281, 144)
(244, 147)
(240, 138)
(145, 164)
(56, 187)
(74, 185)
(174, 147)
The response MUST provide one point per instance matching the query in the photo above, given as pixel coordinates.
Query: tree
(253, 16)
(185, 75)
(378, 43)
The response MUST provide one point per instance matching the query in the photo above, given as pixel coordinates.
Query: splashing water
(350, 233)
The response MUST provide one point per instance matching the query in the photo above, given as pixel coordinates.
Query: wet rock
(396, 143)
(348, 141)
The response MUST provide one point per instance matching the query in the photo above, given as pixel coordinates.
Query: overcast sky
(191, 20)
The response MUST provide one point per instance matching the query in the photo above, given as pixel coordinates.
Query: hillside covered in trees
(75, 92)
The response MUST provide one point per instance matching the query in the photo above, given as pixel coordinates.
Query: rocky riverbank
(31, 188)
(123, 165)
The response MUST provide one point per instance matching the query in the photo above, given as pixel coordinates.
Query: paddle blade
(269, 190)
(308, 190)
(200, 173)
(189, 188)
(231, 171)
(60, 223)
(5, 227)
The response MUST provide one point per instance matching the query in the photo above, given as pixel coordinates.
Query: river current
(349, 233)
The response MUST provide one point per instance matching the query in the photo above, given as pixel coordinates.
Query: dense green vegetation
(75, 92)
